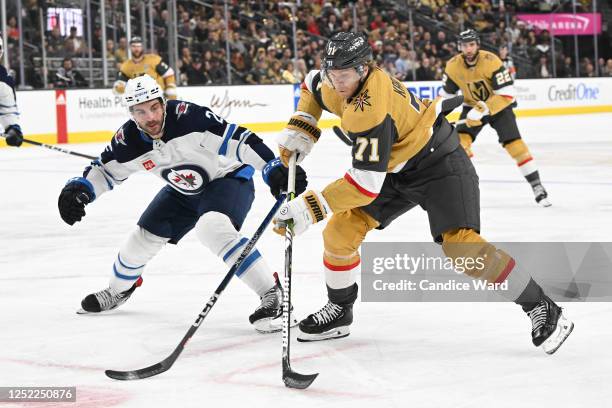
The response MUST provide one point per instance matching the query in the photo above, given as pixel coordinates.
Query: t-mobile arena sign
(565, 23)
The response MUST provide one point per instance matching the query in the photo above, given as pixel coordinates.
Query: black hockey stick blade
(296, 380)
(151, 370)
(342, 136)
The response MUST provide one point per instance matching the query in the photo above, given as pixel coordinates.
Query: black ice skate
(541, 196)
(107, 299)
(268, 317)
(550, 326)
(331, 322)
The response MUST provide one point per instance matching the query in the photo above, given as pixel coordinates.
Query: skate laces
(270, 298)
(107, 298)
(327, 313)
(538, 315)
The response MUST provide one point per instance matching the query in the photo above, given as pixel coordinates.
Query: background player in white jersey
(208, 165)
(9, 115)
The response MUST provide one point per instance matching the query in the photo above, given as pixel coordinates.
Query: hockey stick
(58, 149)
(165, 364)
(290, 377)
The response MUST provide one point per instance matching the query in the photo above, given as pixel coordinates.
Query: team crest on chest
(187, 178)
(479, 90)
(362, 100)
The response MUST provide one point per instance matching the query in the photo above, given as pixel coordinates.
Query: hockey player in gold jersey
(488, 91)
(150, 64)
(404, 154)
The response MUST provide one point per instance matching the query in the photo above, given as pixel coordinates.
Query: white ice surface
(398, 355)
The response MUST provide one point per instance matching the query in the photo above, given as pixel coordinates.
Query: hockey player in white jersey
(9, 115)
(208, 166)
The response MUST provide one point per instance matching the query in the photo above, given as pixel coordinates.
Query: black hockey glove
(72, 201)
(13, 136)
(276, 175)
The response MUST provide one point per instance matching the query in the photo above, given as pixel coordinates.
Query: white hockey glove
(475, 115)
(299, 136)
(306, 209)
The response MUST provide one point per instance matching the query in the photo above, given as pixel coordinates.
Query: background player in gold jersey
(488, 91)
(405, 153)
(150, 64)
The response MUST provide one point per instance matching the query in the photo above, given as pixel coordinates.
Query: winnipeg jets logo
(362, 100)
(188, 179)
(120, 137)
(181, 109)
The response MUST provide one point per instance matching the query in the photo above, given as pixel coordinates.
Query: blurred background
(81, 44)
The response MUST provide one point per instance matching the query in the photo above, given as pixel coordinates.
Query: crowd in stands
(261, 40)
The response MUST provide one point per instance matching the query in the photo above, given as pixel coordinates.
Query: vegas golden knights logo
(479, 90)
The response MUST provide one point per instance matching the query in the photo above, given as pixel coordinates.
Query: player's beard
(137, 55)
(470, 59)
(153, 128)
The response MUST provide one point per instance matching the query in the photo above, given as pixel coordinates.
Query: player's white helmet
(1, 46)
(142, 89)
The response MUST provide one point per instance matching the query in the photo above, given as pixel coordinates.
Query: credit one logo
(580, 92)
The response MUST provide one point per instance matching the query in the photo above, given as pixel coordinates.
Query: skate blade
(544, 203)
(561, 333)
(82, 311)
(272, 325)
(335, 333)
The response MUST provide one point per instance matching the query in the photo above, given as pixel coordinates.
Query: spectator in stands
(55, 43)
(403, 64)
(67, 77)
(589, 70)
(607, 71)
(12, 30)
(300, 70)
(311, 25)
(200, 32)
(566, 70)
(425, 72)
(74, 44)
(543, 68)
(121, 53)
(259, 74)
(195, 74)
(275, 72)
(110, 49)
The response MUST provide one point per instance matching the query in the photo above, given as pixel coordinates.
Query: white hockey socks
(134, 254)
(216, 232)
